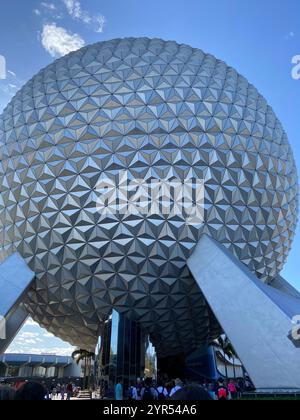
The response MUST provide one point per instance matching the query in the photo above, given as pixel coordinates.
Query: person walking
(211, 391)
(177, 387)
(232, 389)
(54, 392)
(62, 392)
(222, 392)
(162, 391)
(69, 391)
(149, 393)
(133, 392)
(119, 391)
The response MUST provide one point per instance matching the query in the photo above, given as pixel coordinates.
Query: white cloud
(30, 323)
(32, 339)
(28, 335)
(27, 349)
(57, 41)
(290, 35)
(48, 9)
(49, 6)
(75, 10)
(8, 88)
(100, 21)
(29, 341)
(12, 73)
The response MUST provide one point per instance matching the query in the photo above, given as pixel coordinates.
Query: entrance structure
(156, 111)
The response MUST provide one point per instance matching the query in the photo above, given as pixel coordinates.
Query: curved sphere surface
(154, 109)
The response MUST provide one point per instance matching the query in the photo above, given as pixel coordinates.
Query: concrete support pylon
(256, 317)
(15, 280)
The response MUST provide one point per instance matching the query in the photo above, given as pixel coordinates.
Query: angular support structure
(15, 279)
(256, 317)
(281, 284)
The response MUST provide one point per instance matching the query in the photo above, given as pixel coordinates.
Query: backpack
(222, 393)
(139, 391)
(147, 396)
(131, 392)
(160, 395)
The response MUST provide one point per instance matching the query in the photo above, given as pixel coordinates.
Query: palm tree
(80, 354)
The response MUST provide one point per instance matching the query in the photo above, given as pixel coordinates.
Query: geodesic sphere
(154, 109)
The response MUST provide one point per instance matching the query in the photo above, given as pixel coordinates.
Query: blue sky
(258, 38)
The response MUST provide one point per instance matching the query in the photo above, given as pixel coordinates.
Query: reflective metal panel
(122, 354)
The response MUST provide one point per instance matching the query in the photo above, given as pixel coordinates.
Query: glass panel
(121, 354)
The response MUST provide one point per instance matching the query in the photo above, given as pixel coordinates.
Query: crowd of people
(61, 391)
(148, 389)
(141, 390)
(28, 391)
(35, 391)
